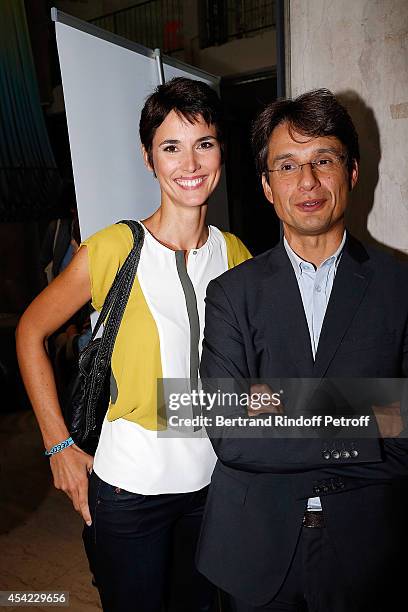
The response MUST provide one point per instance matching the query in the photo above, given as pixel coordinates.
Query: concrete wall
(359, 50)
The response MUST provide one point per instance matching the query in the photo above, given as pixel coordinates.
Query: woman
(142, 486)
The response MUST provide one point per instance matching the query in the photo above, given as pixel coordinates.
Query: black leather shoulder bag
(86, 402)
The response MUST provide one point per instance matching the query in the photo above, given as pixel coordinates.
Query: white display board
(106, 80)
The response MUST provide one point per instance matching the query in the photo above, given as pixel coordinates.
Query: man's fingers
(264, 400)
(261, 388)
(389, 420)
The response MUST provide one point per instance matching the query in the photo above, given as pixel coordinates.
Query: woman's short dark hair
(315, 113)
(189, 98)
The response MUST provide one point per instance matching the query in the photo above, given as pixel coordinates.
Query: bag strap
(114, 291)
(111, 315)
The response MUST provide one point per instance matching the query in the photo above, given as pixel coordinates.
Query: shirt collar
(299, 264)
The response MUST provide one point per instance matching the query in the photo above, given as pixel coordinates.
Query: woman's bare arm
(55, 305)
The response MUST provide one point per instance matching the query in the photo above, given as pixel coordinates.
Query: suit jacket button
(316, 490)
(326, 454)
(345, 454)
(335, 454)
(354, 453)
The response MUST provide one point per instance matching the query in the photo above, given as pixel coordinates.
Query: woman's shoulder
(237, 252)
(116, 237)
(107, 251)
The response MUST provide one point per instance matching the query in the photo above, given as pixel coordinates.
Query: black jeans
(141, 550)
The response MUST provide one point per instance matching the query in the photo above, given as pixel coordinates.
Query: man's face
(310, 201)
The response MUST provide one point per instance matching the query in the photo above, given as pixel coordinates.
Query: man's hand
(389, 420)
(264, 401)
(70, 469)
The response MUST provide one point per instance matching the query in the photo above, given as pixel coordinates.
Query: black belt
(313, 518)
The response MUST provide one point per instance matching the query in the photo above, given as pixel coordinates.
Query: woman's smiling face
(186, 160)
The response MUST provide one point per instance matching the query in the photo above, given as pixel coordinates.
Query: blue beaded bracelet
(59, 447)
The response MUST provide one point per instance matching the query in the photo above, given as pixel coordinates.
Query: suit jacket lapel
(350, 284)
(287, 311)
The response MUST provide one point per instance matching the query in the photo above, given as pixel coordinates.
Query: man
(308, 524)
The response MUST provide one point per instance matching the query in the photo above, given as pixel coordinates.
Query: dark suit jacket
(256, 328)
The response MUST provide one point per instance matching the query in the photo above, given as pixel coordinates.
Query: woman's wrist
(60, 446)
(53, 430)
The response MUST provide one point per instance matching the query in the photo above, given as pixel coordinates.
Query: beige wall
(359, 50)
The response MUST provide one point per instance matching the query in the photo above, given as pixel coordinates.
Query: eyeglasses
(326, 164)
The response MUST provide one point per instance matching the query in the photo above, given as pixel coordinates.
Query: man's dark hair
(314, 113)
(189, 98)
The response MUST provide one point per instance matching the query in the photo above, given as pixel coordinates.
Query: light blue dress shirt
(315, 286)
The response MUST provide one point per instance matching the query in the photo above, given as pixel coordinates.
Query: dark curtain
(29, 179)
